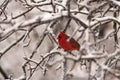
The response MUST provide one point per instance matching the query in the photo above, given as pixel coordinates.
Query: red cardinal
(67, 45)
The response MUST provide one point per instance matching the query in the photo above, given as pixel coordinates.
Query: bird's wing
(74, 44)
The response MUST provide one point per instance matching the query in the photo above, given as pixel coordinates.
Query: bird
(103, 29)
(101, 32)
(67, 43)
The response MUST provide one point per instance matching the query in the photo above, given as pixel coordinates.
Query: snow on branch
(35, 27)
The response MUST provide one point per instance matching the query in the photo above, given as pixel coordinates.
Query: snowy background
(29, 47)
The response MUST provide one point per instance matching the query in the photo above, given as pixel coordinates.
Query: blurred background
(37, 41)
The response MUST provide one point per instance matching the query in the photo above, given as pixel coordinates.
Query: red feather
(67, 45)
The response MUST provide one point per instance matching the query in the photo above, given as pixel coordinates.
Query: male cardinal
(66, 44)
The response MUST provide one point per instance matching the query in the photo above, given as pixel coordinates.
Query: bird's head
(61, 34)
